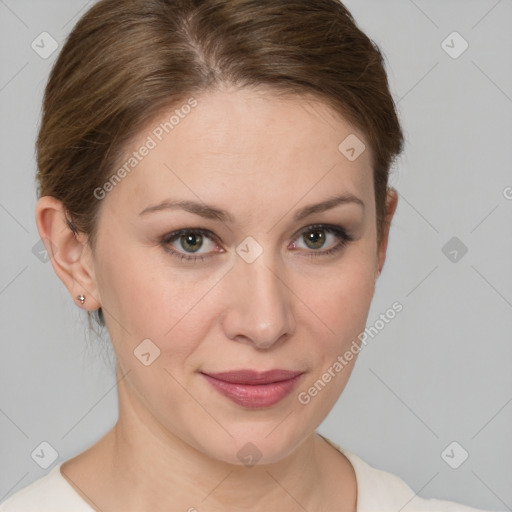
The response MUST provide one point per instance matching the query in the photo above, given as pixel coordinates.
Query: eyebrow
(211, 212)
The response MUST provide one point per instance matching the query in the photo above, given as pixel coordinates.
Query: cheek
(155, 301)
(341, 297)
(341, 303)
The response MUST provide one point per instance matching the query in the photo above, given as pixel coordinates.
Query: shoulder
(51, 493)
(378, 490)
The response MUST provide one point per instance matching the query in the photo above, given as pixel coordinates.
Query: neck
(162, 472)
(139, 465)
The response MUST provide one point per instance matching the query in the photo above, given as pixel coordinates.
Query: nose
(259, 308)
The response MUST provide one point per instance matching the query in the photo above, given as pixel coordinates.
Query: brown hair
(127, 60)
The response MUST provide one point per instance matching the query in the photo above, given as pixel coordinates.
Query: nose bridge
(260, 308)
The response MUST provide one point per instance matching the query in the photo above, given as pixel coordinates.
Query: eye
(185, 244)
(318, 236)
(189, 242)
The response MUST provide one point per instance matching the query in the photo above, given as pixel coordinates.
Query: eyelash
(339, 232)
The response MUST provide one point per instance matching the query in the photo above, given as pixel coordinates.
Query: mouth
(254, 389)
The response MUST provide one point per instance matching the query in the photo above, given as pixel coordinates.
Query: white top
(377, 491)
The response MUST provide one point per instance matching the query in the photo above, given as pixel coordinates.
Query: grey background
(439, 372)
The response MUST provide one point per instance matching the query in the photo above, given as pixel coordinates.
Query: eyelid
(343, 236)
(330, 228)
(175, 235)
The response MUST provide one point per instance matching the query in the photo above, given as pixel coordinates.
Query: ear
(391, 204)
(69, 253)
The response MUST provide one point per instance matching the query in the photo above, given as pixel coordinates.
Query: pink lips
(254, 389)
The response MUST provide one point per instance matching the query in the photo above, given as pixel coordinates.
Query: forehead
(245, 144)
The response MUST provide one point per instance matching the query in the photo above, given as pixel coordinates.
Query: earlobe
(391, 204)
(68, 252)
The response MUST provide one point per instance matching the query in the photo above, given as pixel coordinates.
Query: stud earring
(81, 298)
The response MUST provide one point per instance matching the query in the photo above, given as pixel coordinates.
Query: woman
(213, 183)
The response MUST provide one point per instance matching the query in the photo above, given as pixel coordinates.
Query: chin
(250, 446)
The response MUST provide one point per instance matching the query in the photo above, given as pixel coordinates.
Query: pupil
(192, 239)
(317, 238)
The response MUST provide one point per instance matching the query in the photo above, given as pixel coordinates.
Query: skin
(175, 444)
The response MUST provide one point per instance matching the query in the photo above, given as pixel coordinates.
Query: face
(242, 275)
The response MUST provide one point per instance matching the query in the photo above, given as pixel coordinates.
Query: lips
(252, 377)
(253, 389)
